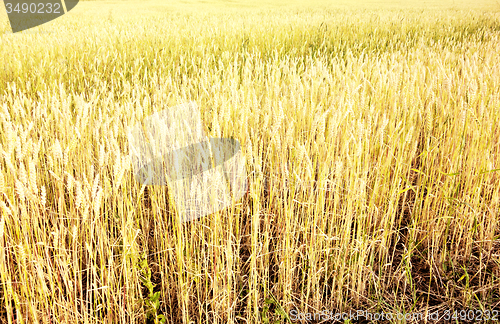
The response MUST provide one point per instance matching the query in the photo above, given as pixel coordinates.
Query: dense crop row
(372, 145)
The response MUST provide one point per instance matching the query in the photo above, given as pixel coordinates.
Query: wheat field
(372, 143)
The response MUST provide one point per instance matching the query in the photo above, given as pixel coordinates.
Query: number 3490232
(34, 8)
(472, 315)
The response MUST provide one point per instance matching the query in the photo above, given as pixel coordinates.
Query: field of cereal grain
(373, 155)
